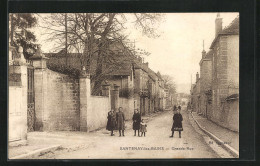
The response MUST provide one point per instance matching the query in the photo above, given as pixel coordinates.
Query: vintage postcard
(123, 86)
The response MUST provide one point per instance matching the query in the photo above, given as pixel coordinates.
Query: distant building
(205, 82)
(195, 95)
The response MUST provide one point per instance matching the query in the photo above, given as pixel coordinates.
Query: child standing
(143, 126)
(177, 123)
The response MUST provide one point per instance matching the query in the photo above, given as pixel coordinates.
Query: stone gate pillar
(116, 97)
(40, 87)
(85, 103)
(105, 90)
(18, 70)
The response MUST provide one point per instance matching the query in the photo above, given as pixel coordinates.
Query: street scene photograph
(123, 85)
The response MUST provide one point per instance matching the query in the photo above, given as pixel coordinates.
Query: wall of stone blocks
(233, 115)
(60, 95)
(229, 115)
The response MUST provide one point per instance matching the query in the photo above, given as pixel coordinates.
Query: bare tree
(170, 84)
(92, 34)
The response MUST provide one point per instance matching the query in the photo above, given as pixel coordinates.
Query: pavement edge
(231, 150)
(36, 153)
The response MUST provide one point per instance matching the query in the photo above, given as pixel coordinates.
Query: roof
(231, 29)
(119, 65)
(152, 74)
(144, 66)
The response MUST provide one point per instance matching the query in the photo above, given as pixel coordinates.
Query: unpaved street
(156, 144)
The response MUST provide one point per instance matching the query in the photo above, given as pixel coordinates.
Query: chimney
(218, 25)
(197, 77)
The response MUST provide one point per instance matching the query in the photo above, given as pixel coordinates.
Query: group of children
(116, 121)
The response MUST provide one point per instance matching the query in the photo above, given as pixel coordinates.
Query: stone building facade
(225, 72)
(218, 95)
(149, 91)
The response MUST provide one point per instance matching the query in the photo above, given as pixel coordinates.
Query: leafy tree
(20, 34)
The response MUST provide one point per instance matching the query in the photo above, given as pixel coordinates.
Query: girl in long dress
(136, 121)
(111, 122)
(177, 123)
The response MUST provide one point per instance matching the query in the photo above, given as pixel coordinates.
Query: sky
(177, 51)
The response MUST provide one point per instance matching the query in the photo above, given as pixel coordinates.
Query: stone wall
(233, 115)
(229, 115)
(59, 95)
